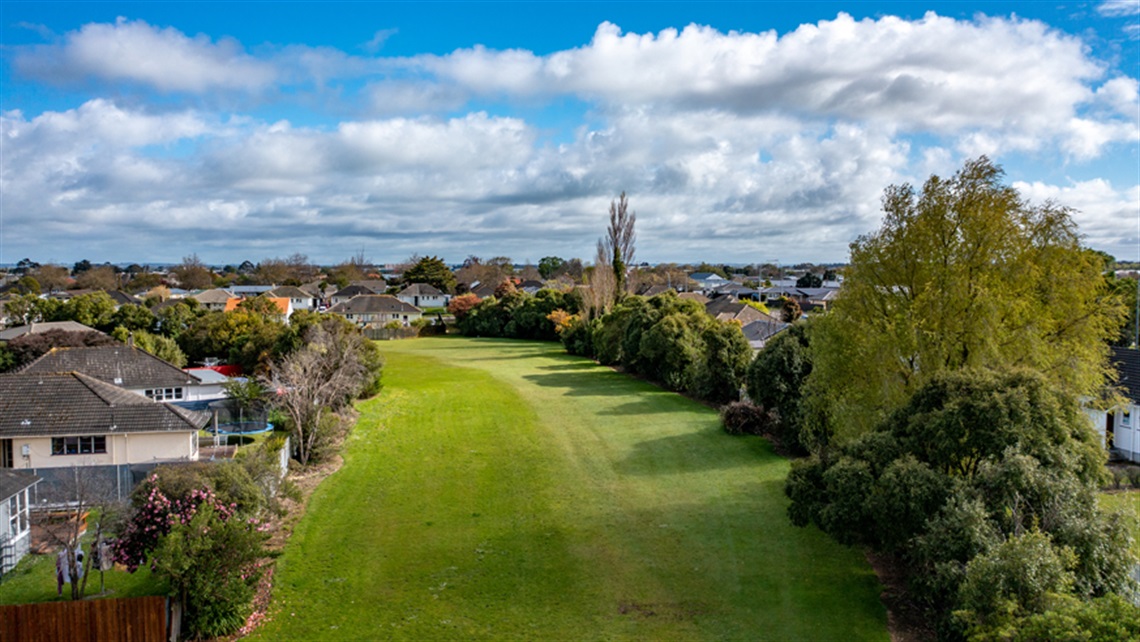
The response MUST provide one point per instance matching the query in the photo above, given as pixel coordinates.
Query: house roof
(353, 290)
(1127, 364)
(212, 296)
(75, 404)
(420, 289)
(289, 292)
(118, 365)
(38, 328)
(694, 296)
(375, 303)
(726, 309)
(706, 276)
(14, 481)
(757, 332)
(207, 375)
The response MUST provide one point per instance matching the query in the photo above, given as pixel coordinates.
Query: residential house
(346, 294)
(708, 280)
(759, 332)
(298, 299)
(52, 423)
(423, 295)
(214, 300)
(483, 290)
(530, 286)
(40, 328)
(15, 518)
(653, 290)
(377, 310)
(1118, 426)
(694, 296)
(126, 367)
(211, 388)
(727, 309)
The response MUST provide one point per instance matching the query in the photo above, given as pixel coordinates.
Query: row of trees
(938, 400)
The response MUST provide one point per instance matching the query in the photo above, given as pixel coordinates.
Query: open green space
(506, 490)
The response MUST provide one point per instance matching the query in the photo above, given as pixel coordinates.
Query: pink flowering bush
(209, 557)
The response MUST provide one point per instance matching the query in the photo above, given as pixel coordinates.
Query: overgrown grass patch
(501, 489)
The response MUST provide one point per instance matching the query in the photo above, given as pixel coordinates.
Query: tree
(809, 280)
(432, 271)
(962, 274)
(29, 347)
(776, 379)
(462, 305)
(321, 377)
(51, 277)
(27, 285)
(102, 277)
(549, 265)
(192, 274)
(81, 491)
(619, 243)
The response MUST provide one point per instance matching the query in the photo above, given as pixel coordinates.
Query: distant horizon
(751, 131)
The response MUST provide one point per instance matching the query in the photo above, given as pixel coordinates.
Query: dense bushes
(986, 484)
(743, 418)
(669, 340)
(515, 315)
(775, 381)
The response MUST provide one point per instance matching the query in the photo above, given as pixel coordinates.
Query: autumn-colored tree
(461, 305)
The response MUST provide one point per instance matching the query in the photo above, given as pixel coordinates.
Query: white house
(15, 522)
(377, 310)
(1118, 427)
(423, 295)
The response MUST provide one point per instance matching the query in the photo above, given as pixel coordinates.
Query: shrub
(1134, 476)
(744, 418)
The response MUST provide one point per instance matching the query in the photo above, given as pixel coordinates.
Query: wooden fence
(135, 619)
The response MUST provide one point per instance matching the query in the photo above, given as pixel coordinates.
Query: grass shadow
(697, 451)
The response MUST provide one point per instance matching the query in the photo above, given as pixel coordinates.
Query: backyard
(500, 489)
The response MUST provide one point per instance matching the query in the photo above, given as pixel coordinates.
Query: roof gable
(70, 404)
(119, 365)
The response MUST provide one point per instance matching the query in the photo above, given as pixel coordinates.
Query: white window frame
(164, 394)
(18, 522)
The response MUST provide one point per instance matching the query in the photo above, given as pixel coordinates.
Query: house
(377, 310)
(40, 328)
(423, 295)
(653, 290)
(530, 286)
(51, 424)
(1117, 426)
(298, 299)
(483, 290)
(213, 300)
(708, 280)
(726, 309)
(346, 294)
(15, 522)
(759, 332)
(694, 296)
(126, 367)
(212, 387)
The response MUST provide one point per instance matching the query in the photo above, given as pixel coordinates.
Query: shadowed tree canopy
(433, 271)
(962, 274)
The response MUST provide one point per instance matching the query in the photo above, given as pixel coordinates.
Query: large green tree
(433, 271)
(963, 273)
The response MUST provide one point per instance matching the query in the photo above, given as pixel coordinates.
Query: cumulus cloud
(1119, 8)
(1108, 217)
(135, 51)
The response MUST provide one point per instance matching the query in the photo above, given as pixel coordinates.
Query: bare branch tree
(619, 242)
(602, 288)
(321, 377)
(81, 491)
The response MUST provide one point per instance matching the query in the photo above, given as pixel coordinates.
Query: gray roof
(75, 404)
(762, 330)
(1127, 364)
(38, 328)
(119, 365)
(420, 289)
(374, 303)
(13, 481)
(212, 296)
(706, 276)
(290, 292)
(354, 290)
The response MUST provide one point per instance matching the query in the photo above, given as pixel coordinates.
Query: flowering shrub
(156, 515)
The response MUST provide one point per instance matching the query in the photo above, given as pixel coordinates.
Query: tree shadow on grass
(590, 382)
(691, 452)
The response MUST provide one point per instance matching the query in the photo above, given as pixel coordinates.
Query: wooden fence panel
(136, 619)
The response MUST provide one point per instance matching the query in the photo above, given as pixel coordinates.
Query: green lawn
(505, 490)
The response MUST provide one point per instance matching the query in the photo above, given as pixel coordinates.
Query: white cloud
(1107, 216)
(135, 51)
(1119, 8)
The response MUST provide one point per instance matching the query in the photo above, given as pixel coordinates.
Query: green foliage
(27, 285)
(432, 271)
(776, 379)
(134, 317)
(962, 274)
(241, 337)
(743, 418)
(1104, 619)
(973, 460)
(162, 347)
(94, 310)
(514, 314)
(211, 564)
(723, 365)
(549, 265)
(172, 320)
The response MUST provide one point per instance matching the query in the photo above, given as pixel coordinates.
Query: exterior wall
(125, 448)
(1125, 432)
(382, 318)
(14, 546)
(440, 301)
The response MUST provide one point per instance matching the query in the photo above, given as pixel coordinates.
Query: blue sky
(742, 131)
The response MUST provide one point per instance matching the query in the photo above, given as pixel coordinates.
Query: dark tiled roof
(354, 290)
(420, 289)
(373, 303)
(1127, 364)
(13, 481)
(75, 404)
(37, 328)
(763, 330)
(119, 365)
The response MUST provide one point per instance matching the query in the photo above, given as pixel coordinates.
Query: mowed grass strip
(505, 490)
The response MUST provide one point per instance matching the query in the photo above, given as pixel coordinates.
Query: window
(1126, 418)
(79, 445)
(18, 511)
(163, 394)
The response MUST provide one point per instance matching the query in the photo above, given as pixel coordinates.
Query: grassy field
(505, 490)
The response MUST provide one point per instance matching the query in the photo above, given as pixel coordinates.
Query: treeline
(663, 338)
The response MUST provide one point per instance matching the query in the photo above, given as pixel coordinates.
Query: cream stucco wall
(124, 448)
